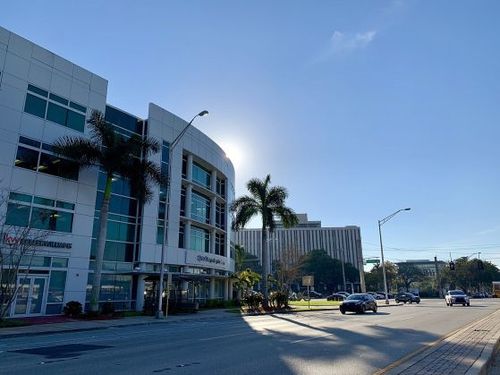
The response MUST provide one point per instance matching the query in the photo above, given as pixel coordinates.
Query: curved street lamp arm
(387, 218)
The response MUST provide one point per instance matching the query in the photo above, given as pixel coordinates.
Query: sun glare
(234, 152)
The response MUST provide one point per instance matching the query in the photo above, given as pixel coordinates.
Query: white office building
(342, 243)
(43, 97)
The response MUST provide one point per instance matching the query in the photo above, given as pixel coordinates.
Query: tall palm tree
(268, 202)
(115, 154)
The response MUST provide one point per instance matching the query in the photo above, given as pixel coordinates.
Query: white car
(456, 296)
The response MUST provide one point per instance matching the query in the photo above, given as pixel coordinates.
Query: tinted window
(26, 158)
(57, 114)
(35, 105)
(76, 121)
(17, 214)
(357, 297)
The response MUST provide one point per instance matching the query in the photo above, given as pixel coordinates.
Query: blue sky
(359, 108)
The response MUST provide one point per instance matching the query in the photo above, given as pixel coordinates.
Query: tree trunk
(265, 265)
(101, 243)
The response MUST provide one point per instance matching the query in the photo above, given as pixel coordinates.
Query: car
(312, 295)
(455, 297)
(346, 294)
(389, 295)
(336, 297)
(406, 297)
(377, 295)
(358, 303)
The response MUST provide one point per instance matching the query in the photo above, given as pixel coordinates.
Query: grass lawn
(314, 302)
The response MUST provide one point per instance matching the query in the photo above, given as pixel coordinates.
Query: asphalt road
(322, 342)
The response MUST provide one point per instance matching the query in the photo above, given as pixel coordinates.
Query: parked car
(377, 295)
(346, 294)
(406, 297)
(389, 295)
(312, 295)
(456, 296)
(336, 297)
(358, 303)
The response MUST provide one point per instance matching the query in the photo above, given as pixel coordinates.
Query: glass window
(78, 107)
(17, 214)
(56, 166)
(57, 114)
(199, 239)
(201, 176)
(35, 105)
(57, 285)
(57, 98)
(66, 205)
(220, 215)
(44, 201)
(45, 219)
(200, 208)
(219, 244)
(76, 121)
(181, 235)
(29, 142)
(37, 90)
(159, 234)
(20, 197)
(221, 187)
(26, 158)
(60, 262)
(35, 261)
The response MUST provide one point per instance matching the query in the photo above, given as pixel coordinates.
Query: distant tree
(469, 275)
(287, 268)
(408, 274)
(240, 257)
(269, 203)
(245, 280)
(327, 271)
(374, 279)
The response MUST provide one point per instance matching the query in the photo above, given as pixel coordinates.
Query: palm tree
(269, 203)
(115, 154)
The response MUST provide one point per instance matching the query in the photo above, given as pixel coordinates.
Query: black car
(358, 303)
(407, 297)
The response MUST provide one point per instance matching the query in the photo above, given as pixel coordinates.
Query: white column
(230, 289)
(212, 241)
(187, 235)
(213, 181)
(226, 289)
(212, 288)
(213, 205)
(189, 167)
(139, 302)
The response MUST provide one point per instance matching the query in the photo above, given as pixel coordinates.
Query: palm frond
(258, 188)
(287, 216)
(244, 208)
(84, 151)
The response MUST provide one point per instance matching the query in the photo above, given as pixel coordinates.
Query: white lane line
(311, 338)
(223, 337)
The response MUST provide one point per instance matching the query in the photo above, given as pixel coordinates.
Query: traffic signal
(452, 266)
(480, 265)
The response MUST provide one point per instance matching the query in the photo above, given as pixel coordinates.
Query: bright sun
(234, 152)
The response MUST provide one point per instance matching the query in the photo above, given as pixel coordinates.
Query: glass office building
(44, 97)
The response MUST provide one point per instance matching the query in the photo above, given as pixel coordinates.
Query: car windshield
(456, 292)
(355, 297)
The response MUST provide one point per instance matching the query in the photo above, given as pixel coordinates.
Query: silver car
(456, 297)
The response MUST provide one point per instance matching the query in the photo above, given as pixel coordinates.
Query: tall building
(44, 97)
(342, 243)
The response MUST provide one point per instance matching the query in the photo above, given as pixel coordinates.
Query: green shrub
(107, 308)
(73, 309)
(253, 300)
(278, 299)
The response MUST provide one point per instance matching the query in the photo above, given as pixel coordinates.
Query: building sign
(205, 260)
(307, 280)
(20, 241)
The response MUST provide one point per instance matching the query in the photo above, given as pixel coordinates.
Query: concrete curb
(482, 365)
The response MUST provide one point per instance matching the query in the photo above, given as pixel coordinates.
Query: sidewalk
(466, 351)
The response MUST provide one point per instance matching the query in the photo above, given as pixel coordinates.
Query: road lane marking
(222, 337)
(311, 338)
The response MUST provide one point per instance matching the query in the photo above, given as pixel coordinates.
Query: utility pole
(438, 278)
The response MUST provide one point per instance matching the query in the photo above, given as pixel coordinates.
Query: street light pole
(159, 312)
(380, 223)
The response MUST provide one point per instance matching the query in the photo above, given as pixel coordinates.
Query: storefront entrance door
(31, 296)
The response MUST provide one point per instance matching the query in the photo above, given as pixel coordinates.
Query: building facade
(44, 97)
(428, 267)
(342, 243)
